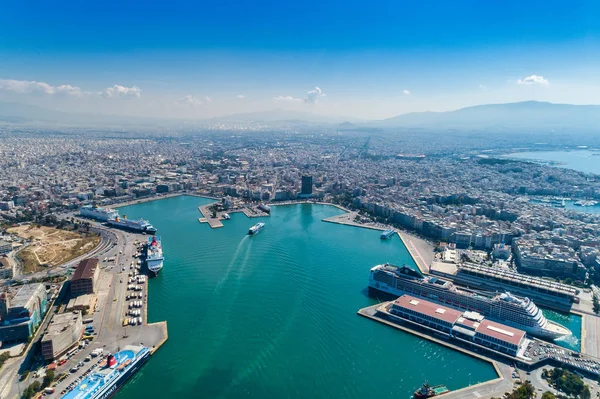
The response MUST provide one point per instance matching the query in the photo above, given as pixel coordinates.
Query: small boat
(226, 216)
(427, 391)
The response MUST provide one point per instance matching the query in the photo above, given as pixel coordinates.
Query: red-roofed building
(470, 326)
(499, 336)
(426, 313)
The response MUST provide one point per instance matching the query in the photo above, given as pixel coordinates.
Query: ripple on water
(274, 315)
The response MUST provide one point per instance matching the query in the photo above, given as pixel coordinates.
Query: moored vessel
(138, 226)
(256, 228)
(387, 234)
(265, 208)
(111, 374)
(154, 255)
(427, 391)
(98, 213)
(504, 308)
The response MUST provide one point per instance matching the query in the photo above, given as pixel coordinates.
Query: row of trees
(596, 304)
(568, 382)
(36, 386)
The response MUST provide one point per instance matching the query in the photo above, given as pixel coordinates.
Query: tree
(48, 378)
(548, 395)
(525, 391)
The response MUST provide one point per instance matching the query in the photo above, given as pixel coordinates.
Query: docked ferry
(111, 374)
(138, 226)
(387, 234)
(98, 213)
(504, 308)
(154, 254)
(256, 228)
(265, 208)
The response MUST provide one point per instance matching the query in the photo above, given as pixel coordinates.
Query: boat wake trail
(232, 263)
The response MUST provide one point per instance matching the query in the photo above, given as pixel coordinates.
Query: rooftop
(500, 332)
(428, 308)
(85, 269)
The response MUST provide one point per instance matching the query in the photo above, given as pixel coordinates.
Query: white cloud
(240, 96)
(190, 101)
(207, 99)
(533, 80)
(406, 92)
(482, 87)
(312, 96)
(286, 98)
(33, 87)
(118, 91)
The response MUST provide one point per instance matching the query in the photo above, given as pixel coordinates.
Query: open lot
(51, 247)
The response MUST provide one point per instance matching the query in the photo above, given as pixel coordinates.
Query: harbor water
(274, 315)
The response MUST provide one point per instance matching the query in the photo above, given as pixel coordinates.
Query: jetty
(214, 223)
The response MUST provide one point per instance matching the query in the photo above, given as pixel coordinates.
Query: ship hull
(119, 382)
(535, 331)
(132, 229)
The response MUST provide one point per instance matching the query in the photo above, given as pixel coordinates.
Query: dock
(504, 364)
(214, 223)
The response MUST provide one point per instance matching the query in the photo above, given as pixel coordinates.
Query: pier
(214, 223)
(504, 363)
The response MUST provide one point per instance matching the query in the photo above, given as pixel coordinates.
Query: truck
(97, 352)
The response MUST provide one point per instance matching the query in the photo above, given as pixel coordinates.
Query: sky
(368, 60)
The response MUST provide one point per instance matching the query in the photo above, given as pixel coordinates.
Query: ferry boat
(265, 208)
(503, 308)
(98, 213)
(138, 226)
(256, 228)
(112, 373)
(154, 255)
(427, 391)
(387, 234)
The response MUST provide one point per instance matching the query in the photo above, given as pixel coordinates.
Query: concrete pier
(214, 223)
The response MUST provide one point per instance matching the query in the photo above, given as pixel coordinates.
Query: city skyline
(335, 59)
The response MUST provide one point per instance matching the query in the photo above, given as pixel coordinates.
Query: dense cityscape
(330, 199)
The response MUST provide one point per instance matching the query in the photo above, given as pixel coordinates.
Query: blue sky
(367, 59)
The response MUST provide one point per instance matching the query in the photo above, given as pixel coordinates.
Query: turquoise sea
(274, 315)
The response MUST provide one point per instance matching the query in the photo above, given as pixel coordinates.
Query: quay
(532, 354)
(106, 316)
(214, 223)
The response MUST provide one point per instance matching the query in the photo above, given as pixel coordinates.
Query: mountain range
(529, 114)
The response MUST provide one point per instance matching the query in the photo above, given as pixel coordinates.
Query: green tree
(525, 391)
(48, 378)
(548, 395)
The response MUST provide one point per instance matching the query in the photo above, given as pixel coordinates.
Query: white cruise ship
(154, 255)
(98, 213)
(503, 308)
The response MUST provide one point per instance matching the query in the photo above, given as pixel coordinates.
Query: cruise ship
(387, 234)
(98, 213)
(256, 228)
(154, 255)
(111, 374)
(138, 226)
(504, 308)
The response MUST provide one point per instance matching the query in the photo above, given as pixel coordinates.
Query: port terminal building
(21, 312)
(63, 333)
(545, 292)
(470, 326)
(85, 279)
